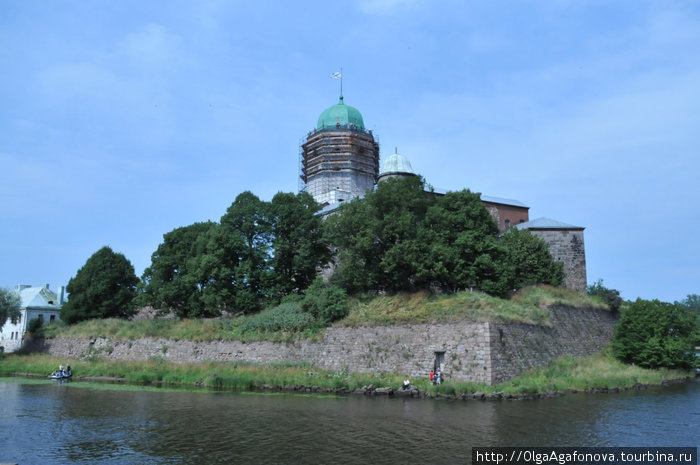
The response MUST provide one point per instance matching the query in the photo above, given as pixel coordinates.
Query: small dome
(396, 163)
(340, 114)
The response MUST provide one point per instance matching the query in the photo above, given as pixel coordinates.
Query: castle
(339, 161)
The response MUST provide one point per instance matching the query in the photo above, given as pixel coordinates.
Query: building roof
(395, 164)
(546, 223)
(488, 198)
(514, 203)
(37, 297)
(340, 114)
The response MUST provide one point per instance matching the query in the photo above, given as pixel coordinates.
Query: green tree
(104, 287)
(378, 238)
(464, 253)
(298, 246)
(9, 306)
(401, 237)
(247, 222)
(178, 278)
(692, 303)
(528, 260)
(656, 334)
(610, 296)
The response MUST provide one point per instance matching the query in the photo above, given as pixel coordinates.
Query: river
(44, 422)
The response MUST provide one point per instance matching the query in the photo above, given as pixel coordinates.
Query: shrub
(656, 334)
(326, 302)
(34, 327)
(288, 316)
(610, 296)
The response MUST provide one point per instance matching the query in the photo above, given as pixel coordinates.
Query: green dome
(340, 114)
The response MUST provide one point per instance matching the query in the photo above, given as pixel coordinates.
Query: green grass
(236, 376)
(598, 371)
(215, 329)
(528, 306)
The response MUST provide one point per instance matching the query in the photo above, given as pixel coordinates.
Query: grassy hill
(527, 306)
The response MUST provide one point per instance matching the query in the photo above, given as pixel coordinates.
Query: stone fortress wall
(567, 246)
(479, 352)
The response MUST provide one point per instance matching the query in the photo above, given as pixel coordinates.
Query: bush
(611, 297)
(654, 334)
(326, 302)
(288, 316)
(34, 327)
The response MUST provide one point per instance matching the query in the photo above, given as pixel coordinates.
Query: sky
(121, 121)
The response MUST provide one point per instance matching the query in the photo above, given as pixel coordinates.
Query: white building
(35, 302)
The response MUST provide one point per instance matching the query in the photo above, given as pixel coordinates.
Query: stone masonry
(473, 352)
(567, 246)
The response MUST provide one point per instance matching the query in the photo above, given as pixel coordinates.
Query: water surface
(44, 422)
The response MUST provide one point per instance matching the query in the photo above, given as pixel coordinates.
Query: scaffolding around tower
(339, 163)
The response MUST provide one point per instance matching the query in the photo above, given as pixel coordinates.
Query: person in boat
(68, 371)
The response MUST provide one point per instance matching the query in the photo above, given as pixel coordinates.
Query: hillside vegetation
(528, 306)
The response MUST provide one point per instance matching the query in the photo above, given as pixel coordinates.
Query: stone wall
(474, 352)
(517, 348)
(566, 245)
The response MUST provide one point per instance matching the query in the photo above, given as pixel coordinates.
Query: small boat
(61, 375)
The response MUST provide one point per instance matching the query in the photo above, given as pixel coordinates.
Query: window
(507, 223)
(53, 318)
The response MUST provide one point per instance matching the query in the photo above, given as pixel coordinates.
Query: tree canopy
(378, 238)
(104, 287)
(9, 306)
(298, 247)
(400, 237)
(180, 275)
(656, 334)
(528, 261)
(258, 253)
(692, 303)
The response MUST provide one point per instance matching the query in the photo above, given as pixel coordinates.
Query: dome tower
(340, 158)
(396, 166)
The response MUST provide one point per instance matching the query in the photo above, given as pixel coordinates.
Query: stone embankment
(479, 352)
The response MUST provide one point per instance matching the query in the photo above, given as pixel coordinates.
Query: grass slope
(527, 306)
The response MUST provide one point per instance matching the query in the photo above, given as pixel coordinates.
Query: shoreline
(372, 391)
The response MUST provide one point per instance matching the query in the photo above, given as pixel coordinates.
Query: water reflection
(45, 423)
